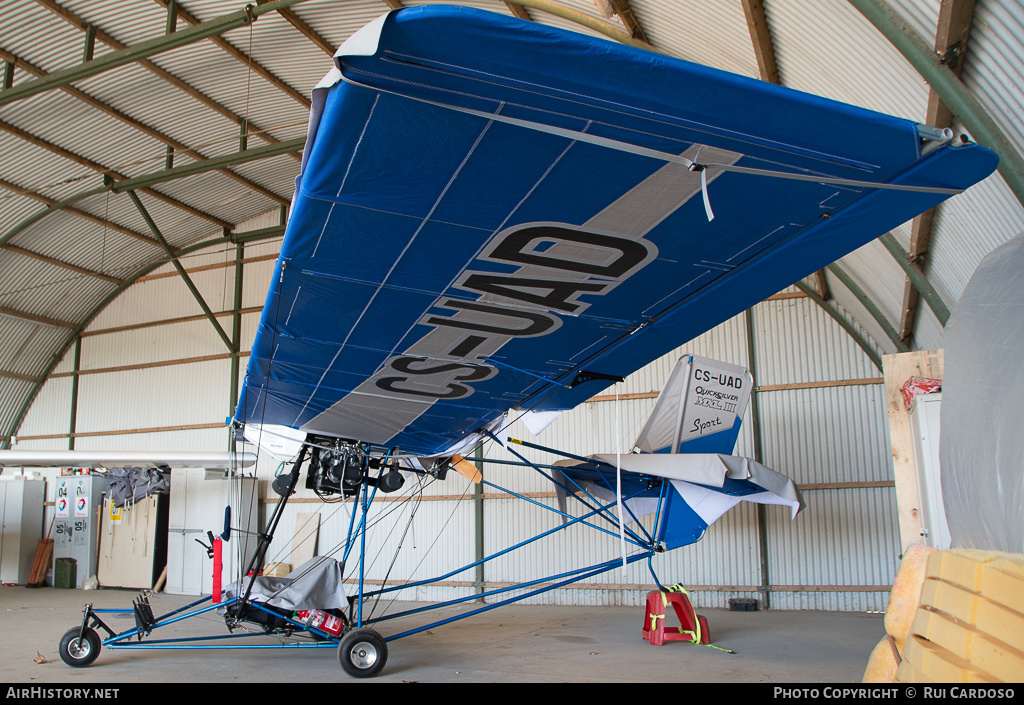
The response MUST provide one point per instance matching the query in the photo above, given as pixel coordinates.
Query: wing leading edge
(494, 214)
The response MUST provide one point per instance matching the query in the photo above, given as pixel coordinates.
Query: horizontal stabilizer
(704, 486)
(712, 471)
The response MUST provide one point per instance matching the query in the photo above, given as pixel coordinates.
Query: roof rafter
(140, 51)
(761, 37)
(85, 215)
(166, 75)
(244, 58)
(821, 285)
(600, 26)
(300, 24)
(768, 70)
(146, 180)
(33, 318)
(951, 39)
(97, 167)
(624, 11)
(960, 99)
(20, 378)
(139, 125)
(58, 263)
(518, 11)
(37, 383)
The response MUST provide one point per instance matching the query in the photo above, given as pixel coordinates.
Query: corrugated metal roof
(60, 143)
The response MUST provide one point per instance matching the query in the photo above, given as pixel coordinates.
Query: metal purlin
(143, 50)
(253, 236)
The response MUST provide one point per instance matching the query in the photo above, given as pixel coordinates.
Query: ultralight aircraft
(497, 220)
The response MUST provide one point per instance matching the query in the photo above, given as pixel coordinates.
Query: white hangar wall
(153, 374)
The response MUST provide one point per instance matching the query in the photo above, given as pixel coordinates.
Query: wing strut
(618, 482)
(284, 486)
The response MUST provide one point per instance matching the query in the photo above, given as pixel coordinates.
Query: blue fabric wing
(496, 214)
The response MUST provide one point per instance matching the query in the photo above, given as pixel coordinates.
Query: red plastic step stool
(654, 620)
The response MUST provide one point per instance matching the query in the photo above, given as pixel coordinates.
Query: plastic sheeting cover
(316, 584)
(129, 485)
(982, 427)
(706, 486)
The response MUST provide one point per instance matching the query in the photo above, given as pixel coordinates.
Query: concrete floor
(513, 644)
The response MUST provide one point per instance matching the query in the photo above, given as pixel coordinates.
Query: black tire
(78, 649)
(363, 653)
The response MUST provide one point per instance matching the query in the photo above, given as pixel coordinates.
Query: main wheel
(363, 653)
(78, 648)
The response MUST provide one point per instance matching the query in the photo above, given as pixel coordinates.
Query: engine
(343, 467)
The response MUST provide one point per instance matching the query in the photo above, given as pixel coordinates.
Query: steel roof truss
(870, 306)
(241, 56)
(951, 38)
(142, 50)
(918, 278)
(253, 236)
(172, 144)
(143, 182)
(181, 270)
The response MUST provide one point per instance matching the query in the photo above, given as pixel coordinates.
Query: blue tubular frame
(611, 518)
(649, 549)
(643, 543)
(575, 575)
(538, 537)
(123, 639)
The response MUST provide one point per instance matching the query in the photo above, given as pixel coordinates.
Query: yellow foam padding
(1012, 563)
(995, 575)
(929, 663)
(908, 673)
(989, 617)
(1002, 661)
(906, 591)
(971, 616)
(881, 666)
(1002, 581)
(1001, 622)
(967, 643)
(960, 566)
(951, 599)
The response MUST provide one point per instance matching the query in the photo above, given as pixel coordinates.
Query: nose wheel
(79, 647)
(363, 653)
